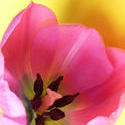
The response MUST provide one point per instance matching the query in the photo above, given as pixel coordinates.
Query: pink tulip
(93, 75)
(12, 111)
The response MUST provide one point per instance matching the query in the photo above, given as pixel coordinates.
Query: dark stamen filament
(53, 112)
(65, 100)
(36, 102)
(38, 85)
(40, 119)
(56, 114)
(55, 84)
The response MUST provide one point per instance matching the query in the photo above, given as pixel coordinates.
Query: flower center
(48, 106)
(48, 100)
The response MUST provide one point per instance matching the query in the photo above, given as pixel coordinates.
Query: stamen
(56, 114)
(36, 102)
(40, 120)
(55, 84)
(65, 100)
(52, 99)
(38, 85)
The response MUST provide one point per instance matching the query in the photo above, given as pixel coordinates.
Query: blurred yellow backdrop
(107, 16)
(8, 9)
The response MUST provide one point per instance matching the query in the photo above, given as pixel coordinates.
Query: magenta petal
(116, 56)
(50, 47)
(12, 107)
(107, 101)
(8, 121)
(13, 83)
(89, 65)
(99, 121)
(19, 35)
(106, 112)
(1, 65)
(43, 49)
(11, 28)
(73, 51)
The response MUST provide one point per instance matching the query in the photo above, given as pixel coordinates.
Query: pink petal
(107, 102)
(11, 28)
(99, 121)
(19, 35)
(1, 65)
(116, 56)
(105, 113)
(13, 83)
(9, 121)
(43, 50)
(11, 106)
(73, 51)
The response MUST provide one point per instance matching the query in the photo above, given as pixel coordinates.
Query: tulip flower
(64, 73)
(12, 111)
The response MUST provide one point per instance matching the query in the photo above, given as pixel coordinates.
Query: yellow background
(107, 16)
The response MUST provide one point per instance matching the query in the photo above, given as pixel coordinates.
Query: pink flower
(12, 111)
(93, 75)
